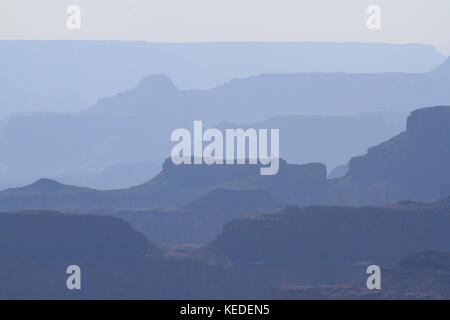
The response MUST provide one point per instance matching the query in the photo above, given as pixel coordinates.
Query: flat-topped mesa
(430, 126)
(224, 172)
(302, 184)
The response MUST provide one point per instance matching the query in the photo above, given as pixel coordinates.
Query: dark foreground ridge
(313, 246)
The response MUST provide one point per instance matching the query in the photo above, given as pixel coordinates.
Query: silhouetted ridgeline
(299, 184)
(311, 246)
(329, 245)
(415, 165)
(331, 140)
(116, 262)
(297, 247)
(224, 231)
(103, 68)
(135, 125)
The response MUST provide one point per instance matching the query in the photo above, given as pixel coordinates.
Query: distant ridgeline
(103, 68)
(414, 165)
(175, 184)
(148, 113)
(252, 247)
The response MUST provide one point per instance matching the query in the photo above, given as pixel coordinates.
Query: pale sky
(403, 21)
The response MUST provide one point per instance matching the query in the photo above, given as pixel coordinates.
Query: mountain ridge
(100, 136)
(414, 165)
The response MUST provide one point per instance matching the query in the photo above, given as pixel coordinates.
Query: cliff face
(411, 166)
(37, 247)
(299, 184)
(330, 245)
(311, 246)
(430, 127)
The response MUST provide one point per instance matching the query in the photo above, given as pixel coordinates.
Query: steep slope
(414, 165)
(119, 176)
(116, 262)
(331, 140)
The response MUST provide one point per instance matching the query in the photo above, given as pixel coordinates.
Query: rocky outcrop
(314, 246)
(299, 184)
(430, 127)
(411, 166)
(329, 245)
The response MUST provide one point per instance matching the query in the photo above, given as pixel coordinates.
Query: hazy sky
(403, 21)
